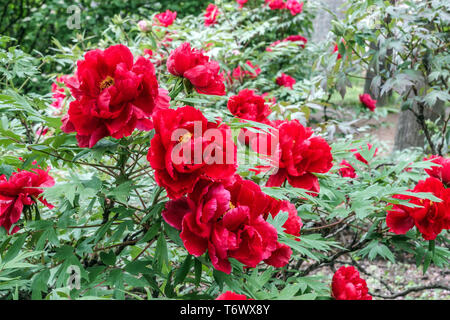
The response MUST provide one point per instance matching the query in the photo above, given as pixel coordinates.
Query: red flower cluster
(241, 3)
(293, 6)
(429, 217)
(249, 106)
(212, 11)
(276, 4)
(348, 285)
(229, 295)
(286, 81)
(228, 220)
(166, 18)
(299, 155)
(239, 73)
(347, 170)
(187, 147)
(113, 96)
(441, 172)
(23, 188)
(58, 92)
(294, 38)
(193, 65)
(368, 102)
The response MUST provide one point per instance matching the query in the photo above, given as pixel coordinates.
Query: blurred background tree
(33, 23)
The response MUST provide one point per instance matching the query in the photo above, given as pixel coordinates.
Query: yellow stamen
(185, 138)
(108, 82)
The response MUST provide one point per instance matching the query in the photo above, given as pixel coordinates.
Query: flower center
(232, 206)
(185, 138)
(108, 82)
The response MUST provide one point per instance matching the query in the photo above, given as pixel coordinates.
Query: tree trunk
(409, 131)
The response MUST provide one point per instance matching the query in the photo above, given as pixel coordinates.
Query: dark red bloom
(241, 3)
(276, 4)
(166, 18)
(229, 295)
(212, 11)
(441, 172)
(247, 105)
(367, 101)
(398, 218)
(228, 221)
(299, 155)
(360, 157)
(294, 6)
(347, 170)
(429, 217)
(294, 223)
(297, 38)
(286, 81)
(347, 285)
(113, 96)
(193, 65)
(20, 190)
(184, 58)
(187, 147)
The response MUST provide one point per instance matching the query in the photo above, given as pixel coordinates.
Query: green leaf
(182, 272)
(161, 254)
(15, 248)
(108, 258)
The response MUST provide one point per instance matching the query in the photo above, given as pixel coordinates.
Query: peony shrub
(189, 160)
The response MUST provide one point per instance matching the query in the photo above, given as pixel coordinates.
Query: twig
(413, 289)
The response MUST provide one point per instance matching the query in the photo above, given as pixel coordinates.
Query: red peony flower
(23, 188)
(186, 147)
(299, 155)
(229, 295)
(276, 4)
(193, 65)
(367, 101)
(294, 223)
(212, 11)
(294, 6)
(113, 96)
(228, 221)
(398, 218)
(441, 172)
(166, 18)
(430, 217)
(286, 81)
(347, 170)
(241, 3)
(347, 285)
(247, 105)
(297, 38)
(360, 157)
